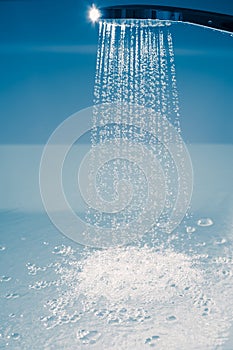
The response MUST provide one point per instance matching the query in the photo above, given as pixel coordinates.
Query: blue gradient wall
(47, 69)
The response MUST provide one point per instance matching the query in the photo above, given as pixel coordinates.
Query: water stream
(136, 111)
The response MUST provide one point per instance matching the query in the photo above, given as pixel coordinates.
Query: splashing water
(128, 297)
(176, 294)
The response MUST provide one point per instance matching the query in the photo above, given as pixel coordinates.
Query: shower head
(155, 12)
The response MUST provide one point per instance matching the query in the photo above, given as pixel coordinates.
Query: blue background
(47, 70)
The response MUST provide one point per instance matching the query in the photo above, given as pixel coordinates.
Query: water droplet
(12, 296)
(114, 321)
(171, 318)
(56, 250)
(88, 337)
(15, 336)
(50, 321)
(12, 315)
(220, 241)
(75, 318)
(205, 222)
(190, 229)
(151, 341)
(2, 248)
(226, 272)
(155, 337)
(5, 278)
(64, 319)
(63, 250)
(123, 310)
(148, 340)
(39, 285)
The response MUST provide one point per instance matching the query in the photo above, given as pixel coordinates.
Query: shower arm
(212, 20)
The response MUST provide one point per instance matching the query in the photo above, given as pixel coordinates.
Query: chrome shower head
(155, 12)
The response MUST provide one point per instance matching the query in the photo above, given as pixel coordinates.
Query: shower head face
(140, 12)
(166, 13)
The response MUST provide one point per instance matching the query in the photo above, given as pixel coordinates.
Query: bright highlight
(94, 14)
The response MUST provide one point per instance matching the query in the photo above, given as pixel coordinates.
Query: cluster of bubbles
(128, 297)
(143, 296)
